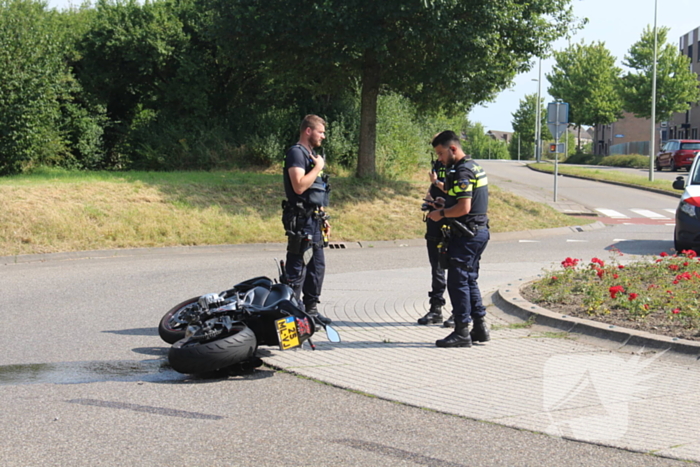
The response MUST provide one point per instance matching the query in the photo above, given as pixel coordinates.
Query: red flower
(569, 262)
(615, 276)
(633, 296)
(663, 254)
(598, 261)
(554, 278)
(676, 311)
(619, 266)
(600, 272)
(646, 306)
(673, 267)
(616, 289)
(689, 253)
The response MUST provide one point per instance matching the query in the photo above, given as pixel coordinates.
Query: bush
(32, 73)
(626, 160)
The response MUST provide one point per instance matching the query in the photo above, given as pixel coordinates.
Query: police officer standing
(304, 219)
(465, 212)
(433, 237)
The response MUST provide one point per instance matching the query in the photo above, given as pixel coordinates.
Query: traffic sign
(557, 118)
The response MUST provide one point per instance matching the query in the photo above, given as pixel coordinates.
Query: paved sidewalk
(536, 378)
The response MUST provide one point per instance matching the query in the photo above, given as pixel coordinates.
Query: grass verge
(55, 210)
(607, 175)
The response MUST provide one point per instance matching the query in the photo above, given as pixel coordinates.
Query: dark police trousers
(438, 283)
(463, 273)
(308, 278)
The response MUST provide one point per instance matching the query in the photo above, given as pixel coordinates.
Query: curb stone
(77, 255)
(609, 182)
(508, 299)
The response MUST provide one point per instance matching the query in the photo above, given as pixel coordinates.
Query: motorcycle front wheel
(172, 328)
(192, 357)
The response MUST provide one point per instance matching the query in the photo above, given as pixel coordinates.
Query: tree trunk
(366, 164)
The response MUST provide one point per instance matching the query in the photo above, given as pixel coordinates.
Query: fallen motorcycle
(216, 331)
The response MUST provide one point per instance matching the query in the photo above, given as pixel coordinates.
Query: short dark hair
(446, 138)
(311, 121)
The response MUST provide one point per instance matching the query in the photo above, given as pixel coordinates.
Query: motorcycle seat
(278, 292)
(256, 296)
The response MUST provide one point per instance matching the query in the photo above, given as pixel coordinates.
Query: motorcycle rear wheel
(192, 357)
(171, 329)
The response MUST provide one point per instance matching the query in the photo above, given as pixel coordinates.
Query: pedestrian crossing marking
(612, 213)
(649, 214)
(672, 211)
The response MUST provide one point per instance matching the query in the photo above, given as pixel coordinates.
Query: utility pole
(652, 142)
(538, 119)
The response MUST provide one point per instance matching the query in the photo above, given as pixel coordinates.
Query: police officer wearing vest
(465, 213)
(305, 221)
(433, 237)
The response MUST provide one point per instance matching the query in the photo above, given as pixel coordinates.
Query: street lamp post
(538, 119)
(652, 142)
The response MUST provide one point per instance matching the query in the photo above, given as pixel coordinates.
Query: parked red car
(677, 153)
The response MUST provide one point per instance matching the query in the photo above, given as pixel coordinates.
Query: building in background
(630, 135)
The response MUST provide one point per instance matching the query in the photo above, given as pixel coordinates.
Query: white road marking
(611, 213)
(672, 211)
(649, 214)
(576, 241)
(529, 241)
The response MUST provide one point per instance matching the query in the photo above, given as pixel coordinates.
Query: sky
(617, 23)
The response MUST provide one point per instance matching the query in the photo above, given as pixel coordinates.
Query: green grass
(57, 210)
(607, 175)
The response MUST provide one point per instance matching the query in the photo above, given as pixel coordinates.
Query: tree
(31, 76)
(676, 84)
(524, 125)
(585, 76)
(441, 54)
(480, 145)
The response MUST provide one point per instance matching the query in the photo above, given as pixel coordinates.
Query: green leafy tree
(524, 126)
(440, 54)
(127, 59)
(585, 76)
(676, 84)
(480, 145)
(31, 76)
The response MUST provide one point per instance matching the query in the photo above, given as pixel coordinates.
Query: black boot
(434, 316)
(459, 337)
(450, 322)
(480, 332)
(312, 311)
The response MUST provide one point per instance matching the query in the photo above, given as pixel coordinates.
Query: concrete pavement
(595, 387)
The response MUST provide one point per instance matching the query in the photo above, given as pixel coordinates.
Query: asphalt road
(83, 377)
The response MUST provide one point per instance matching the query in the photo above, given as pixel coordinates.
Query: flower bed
(658, 294)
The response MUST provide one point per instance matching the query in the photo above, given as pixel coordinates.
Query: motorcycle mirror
(332, 334)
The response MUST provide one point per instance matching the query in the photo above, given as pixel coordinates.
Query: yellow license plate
(287, 332)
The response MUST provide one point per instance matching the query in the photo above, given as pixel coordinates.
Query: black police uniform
(433, 237)
(466, 179)
(306, 265)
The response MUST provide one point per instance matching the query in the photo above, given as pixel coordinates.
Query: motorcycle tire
(171, 329)
(192, 357)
